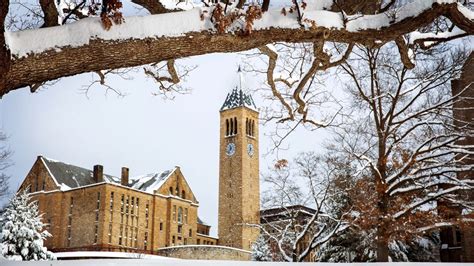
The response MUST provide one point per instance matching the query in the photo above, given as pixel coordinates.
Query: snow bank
(107, 254)
(151, 262)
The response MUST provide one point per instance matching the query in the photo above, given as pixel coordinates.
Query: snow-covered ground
(176, 262)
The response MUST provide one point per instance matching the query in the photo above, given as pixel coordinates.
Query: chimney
(124, 179)
(98, 173)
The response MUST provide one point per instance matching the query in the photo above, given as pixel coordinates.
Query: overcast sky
(143, 132)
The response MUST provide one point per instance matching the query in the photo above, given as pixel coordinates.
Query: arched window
(183, 194)
(231, 127)
(177, 191)
(253, 128)
(180, 215)
(171, 190)
(235, 126)
(227, 127)
(246, 126)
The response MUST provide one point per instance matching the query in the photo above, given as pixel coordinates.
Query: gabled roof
(69, 176)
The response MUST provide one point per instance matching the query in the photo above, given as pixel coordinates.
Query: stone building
(457, 243)
(89, 210)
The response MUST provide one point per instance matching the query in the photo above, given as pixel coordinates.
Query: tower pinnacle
(237, 97)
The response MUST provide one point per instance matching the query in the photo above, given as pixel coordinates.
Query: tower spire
(237, 97)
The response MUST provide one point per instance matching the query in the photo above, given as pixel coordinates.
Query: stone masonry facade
(115, 217)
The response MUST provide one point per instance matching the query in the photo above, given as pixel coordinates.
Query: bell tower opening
(239, 186)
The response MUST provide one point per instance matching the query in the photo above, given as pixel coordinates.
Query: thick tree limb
(50, 13)
(154, 6)
(404, 52)
(104, 54)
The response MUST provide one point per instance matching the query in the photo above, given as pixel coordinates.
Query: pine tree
(261, 250)
(22, 233)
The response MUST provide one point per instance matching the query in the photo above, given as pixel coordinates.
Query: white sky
(140, 131)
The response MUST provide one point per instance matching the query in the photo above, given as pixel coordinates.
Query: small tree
(22, 232)
(261, 250)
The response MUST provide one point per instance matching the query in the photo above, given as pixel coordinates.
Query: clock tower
(239, 186)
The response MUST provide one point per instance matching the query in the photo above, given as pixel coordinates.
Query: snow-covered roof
(237, 97)
(68, 176)
(150, 182)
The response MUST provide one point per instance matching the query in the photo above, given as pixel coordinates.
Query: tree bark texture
(102, 54)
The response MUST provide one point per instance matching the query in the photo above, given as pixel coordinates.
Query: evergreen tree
(261, 250)
(22, 233)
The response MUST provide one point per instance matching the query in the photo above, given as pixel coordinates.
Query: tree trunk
(382, 244)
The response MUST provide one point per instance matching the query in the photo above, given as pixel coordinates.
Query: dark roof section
(237, 98)
(201, 221)
(69, 176)
(73, 176)
(283, 213)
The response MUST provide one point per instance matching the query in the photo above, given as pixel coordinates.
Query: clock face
(230, 149)
(250, 149)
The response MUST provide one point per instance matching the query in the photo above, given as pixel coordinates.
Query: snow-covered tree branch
(38, 55)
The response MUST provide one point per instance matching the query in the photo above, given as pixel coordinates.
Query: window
(161, 226)
(44, 183)
(186, 215)
(98, 200)
(171, 190)
(199, 241)
(96, 233)
(127, 204)
(121, 235)
(227, 127)
(126, 235)
(247, 126)
(183, 194)
(133, 204)
(110, 233)
(180, 215)
(122, 203)
(185, 241)
(173, 240)
(111, 201)
(190, 233)
(145, 240)
(69, 236)
(235, 126)
(174, 213)
(180, 229)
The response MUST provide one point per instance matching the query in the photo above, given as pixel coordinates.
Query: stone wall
(202, 252)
